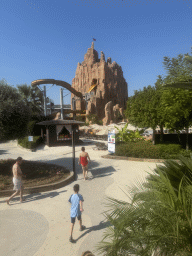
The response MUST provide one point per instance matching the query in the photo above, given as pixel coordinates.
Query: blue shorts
(73, 219)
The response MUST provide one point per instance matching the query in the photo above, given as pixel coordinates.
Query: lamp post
(73, 151)
(45, 103)
(61, 101)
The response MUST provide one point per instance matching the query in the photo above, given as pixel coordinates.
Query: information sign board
(30, 138)
(111, 142)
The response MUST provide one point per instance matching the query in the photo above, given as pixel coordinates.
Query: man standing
(17, 180)
(84, 162)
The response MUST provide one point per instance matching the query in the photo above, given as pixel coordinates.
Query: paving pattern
(41, 225)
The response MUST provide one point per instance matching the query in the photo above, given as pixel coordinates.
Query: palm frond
(159, 217)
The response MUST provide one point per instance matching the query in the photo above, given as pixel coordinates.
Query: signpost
(111, 141)
(30, 138)
(73, 152)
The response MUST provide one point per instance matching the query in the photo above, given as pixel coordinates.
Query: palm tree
(157, 222)
(33, 98)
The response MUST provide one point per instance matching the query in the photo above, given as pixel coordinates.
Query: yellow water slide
(94, 84)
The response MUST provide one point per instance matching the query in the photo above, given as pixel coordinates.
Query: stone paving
(41, 225)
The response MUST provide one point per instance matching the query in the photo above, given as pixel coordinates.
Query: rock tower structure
(105, 81)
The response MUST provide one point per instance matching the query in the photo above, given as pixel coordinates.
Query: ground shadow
(67, 162)
(93, 167)
(40, 147)
(36, 196)
(100, 226)
(3, 152)
(101, 172)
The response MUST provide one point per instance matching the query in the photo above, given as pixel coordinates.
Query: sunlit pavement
(41, 225)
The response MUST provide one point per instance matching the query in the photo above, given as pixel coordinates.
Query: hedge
(30, 144)
(145, 149)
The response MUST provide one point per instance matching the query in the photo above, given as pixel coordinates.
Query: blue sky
(47, 38)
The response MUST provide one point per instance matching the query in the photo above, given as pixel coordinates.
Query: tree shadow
(40, 147)
(37, 196)
(101, 172)
(96, 172)
(100, 226)
(67, 162)
(2, 152)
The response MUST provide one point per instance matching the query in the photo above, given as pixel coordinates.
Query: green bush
(140, 149)
(30, 128)
(94, 119)
(169, 150)
(23, 142)
(81, 119)
(145, 149)
(126, 135)
(186, 153)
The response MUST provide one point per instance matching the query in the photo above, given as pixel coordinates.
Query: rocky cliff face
(111, 85)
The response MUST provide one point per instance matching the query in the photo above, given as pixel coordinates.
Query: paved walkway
(41, 225)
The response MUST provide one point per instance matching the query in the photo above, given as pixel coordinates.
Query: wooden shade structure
(54, 136)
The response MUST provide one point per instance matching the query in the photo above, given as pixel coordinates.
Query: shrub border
(42, 188)
(136, 159)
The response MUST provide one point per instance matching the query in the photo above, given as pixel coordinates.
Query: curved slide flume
(57, 82)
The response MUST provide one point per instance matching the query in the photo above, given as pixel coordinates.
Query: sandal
(82, 228)
(71, 240)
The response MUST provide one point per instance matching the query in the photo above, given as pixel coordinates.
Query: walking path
(41, 225)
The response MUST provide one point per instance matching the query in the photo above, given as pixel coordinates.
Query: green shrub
(30, 128)
(119, 117)
(145, 149)
(94, 119)
(169, 150)
(186, 153)
(126, 135)
(140, 149)
(23, 142)
(81, 119)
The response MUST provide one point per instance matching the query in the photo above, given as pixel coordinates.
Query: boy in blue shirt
(76, 201)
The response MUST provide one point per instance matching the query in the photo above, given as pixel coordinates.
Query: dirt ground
(37, 173)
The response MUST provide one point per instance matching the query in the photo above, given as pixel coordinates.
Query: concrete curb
(137, 159)
(42, 188)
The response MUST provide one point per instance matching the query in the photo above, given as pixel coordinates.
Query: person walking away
(17, 180)
(76, 201)
(84, 162)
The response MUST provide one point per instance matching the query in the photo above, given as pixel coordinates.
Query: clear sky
(47, 38)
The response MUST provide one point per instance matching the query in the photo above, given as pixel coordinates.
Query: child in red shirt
(84, 162)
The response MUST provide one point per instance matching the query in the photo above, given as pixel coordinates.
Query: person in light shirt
(17, 180)
(76, 201)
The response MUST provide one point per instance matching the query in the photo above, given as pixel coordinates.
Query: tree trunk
(178, 134)
(187, 139)
(161, 135)
(153, 137)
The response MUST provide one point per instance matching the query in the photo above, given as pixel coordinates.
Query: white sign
(30, 138)
(111, 148)
(111, 142)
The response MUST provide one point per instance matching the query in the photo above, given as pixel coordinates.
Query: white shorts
(17, 184)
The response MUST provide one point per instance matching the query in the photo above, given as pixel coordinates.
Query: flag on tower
(94, 39)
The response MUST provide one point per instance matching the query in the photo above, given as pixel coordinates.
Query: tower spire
(92, 45)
